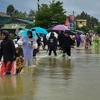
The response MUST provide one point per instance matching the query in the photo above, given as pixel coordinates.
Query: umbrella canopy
(50, 28)
(40, 30)
(48, 35)
(24, 33)
(60, 27)
(78, 31)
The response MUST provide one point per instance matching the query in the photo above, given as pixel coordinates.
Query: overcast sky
(90, 6)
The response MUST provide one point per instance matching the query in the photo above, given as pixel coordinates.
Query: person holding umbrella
(28, 47)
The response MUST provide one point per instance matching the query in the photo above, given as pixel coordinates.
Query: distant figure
(60, 39)
(38, 42)
(44, 42)
(82, 39)
(18, 37)
(52, 44)
(86, 41)
(78, 39)
(73, 40)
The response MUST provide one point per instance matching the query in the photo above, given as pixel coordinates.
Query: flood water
(56, 78)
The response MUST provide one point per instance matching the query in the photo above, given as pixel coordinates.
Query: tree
(91, 21)
(98, 30)
(15, 13)
(49, 15)
(10, 10)
(31, 15)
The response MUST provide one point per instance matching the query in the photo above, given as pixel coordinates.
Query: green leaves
(49, 15)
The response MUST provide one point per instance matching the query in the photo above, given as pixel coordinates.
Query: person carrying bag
(7, 51)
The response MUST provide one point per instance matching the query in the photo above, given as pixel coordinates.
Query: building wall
(81, 23)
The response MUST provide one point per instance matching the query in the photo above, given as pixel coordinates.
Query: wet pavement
(56, 78)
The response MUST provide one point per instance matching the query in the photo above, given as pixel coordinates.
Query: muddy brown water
(56, 78)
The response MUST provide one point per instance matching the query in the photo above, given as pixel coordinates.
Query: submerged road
(56, 78)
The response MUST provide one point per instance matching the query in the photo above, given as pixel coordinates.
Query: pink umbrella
(60, 27)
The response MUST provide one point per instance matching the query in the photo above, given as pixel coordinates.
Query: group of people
(86, 40)
(64, 43)
(30, 46)
(10, 54)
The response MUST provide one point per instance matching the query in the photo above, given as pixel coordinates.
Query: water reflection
(96, 51)
(67, 68)
(11, 88)
(57, 67)
(29, 83)
(88, 51)
(18, 87)
(56, 78)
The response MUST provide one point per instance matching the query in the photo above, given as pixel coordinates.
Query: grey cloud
(90, 6)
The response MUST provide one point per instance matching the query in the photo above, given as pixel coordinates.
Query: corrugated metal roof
(25, 21)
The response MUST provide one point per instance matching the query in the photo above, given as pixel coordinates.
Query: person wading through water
(7, 51)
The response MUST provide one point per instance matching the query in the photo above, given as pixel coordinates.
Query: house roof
(5, 20)
(81, 20)
(25, 21)
(2, 14)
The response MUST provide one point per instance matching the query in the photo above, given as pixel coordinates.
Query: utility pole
(38, 4)
(73, 12)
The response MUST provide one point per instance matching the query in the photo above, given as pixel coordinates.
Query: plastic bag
(35, 45)
(10, 68)
(2, 68)
(20, 42)
(13, 68)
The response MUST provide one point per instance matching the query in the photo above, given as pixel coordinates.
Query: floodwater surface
(56, 78)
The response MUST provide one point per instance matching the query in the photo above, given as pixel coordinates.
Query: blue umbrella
(40, 30)
(24, 33)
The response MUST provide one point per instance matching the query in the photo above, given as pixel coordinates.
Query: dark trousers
(54, 50)
(34, 52)
(67, 50)
(78, 44)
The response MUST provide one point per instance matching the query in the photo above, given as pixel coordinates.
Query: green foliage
(30, 26)
(10, 10)
(13, 36)
(49, 15)
(91, 21)
(98, 30)
(96, 40)
(19, 14)
(31, 15)
(84, 29)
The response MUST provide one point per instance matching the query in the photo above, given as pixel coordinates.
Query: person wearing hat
(66, 44)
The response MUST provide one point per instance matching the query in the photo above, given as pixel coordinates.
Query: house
(81, 22)
(12, 24)
(4, 18)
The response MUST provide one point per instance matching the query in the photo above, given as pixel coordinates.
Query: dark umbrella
(70, 32)
(50, 28)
